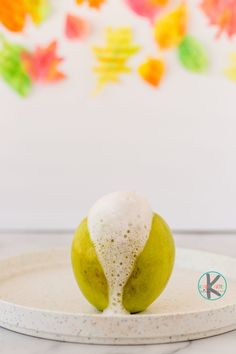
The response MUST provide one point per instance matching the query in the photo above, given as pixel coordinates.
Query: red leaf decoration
(221, 13)
(42, 65)
(76, 27)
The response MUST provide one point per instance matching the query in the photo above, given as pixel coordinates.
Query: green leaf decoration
(192, 55)
(11, 68)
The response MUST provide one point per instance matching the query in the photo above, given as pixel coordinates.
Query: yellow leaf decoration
(112, 59)
(92, 3)
(152, 71)
(170, 29)
(37, 9)
(231, 71)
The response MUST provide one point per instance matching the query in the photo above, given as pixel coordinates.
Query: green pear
(148, 279)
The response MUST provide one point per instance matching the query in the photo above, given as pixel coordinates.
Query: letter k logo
(210, 284)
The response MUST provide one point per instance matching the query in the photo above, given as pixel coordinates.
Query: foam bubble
(119, 226)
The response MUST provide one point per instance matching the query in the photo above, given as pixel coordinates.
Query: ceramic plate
(39, 297)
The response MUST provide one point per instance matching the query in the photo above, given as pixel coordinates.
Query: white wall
(61, 148)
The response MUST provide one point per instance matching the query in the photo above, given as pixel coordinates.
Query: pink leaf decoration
(42, 65)
(76, 27)
(221, 13)
(146, 8)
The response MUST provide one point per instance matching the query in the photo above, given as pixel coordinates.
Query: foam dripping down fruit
(122, 254)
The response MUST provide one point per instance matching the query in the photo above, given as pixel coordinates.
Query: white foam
(119, 226)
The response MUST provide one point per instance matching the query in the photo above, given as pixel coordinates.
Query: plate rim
(98, 314)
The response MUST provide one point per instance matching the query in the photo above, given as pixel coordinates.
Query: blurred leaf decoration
(91, 3)
(38, 10)
(230, 72)
(222, 14)
(152, 71)
(42, 64)
(112, 58)
(192, 55)
(21, 68)
(14, 13)
(170, 29)
(146, 8)
(76, 27)
(12, 70)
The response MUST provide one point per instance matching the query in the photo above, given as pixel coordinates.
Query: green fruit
(150, 275)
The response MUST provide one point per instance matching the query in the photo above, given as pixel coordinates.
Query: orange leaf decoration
(13, 14)
(159, 2)
(152, 71)
(42, 65)
(92, 3)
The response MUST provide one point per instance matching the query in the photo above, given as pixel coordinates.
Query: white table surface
(13, 244)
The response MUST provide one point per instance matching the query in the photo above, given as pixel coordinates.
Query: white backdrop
(61, 148)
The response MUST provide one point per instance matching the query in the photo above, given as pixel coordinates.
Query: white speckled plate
(39, 297)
